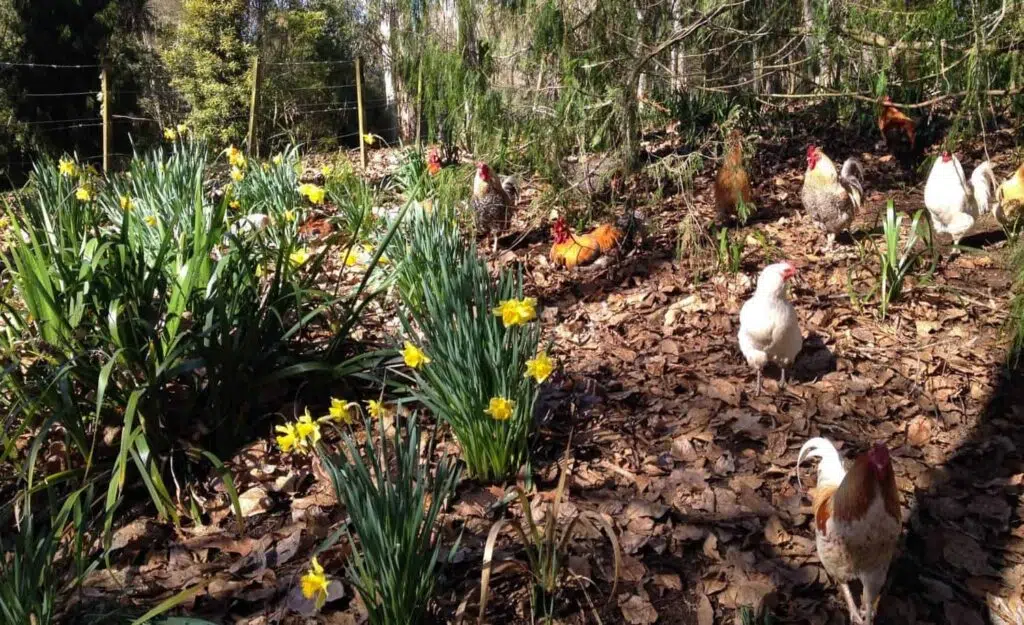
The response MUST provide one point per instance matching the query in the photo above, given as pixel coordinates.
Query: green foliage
(210, 64)
(730, 250)
(896, 262)
(547, 550)
(155, 316)
(393, 500)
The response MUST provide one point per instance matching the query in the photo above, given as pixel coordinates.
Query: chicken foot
(757, 393)
(855, 614)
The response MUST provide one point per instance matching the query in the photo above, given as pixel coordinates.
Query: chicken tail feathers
(511, 186)
(830, 469)
(983, 181)
(852, 175)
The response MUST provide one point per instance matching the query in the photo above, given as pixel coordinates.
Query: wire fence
(278, 112)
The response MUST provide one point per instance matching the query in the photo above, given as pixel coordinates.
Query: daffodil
(126, 203)
(236, 174)
(351, 258)
(369, 251)
(314, 584)
(278, 159)
(307, 430)
(150, 220)
(289, 438)
(170, 134)
(376, 409)
(235, 156)
(289, 216)
(83, 193)
(235, 204)
(369, 139)
(298, 257)
(540, 368)
(313, 193)
(500, 409)
(339, 411)
(259, 271)
(414, 356)
(327, 170)
(67, 167)
(514, 312)
(182, 129)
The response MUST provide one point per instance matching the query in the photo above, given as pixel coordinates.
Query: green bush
(393, 500)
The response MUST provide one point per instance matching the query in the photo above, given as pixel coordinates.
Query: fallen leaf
(638, 610)
(774, 532)
(919, 431)
(705, 613)
(253, 501)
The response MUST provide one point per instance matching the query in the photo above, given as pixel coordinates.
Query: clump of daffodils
(235, 157)
(516, 312)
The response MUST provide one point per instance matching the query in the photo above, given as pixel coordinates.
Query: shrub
(896, 262)
(393, 500)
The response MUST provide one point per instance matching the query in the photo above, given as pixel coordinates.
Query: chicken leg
(855, 615)
(757, 393)
(782, 380)
(872, 593)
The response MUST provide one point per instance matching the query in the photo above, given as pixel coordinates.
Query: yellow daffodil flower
(515, 312)
(235, 204)
(298, 257)
(339, 411)
(540, 368)
(500, 409)
(414, 356)
(307, 430)
(126, 203)
(237, 175)
(67, 167)
(376, 409)
(235, 157)
(182, 129)
(278, 159)
(289, 438)
(313, 193)
(289, 216)
(83, 194)
(369, 139)
(259, 271)
(351, 258)
(150, 220)
(170, 134)
(327, 170)
(314, 584)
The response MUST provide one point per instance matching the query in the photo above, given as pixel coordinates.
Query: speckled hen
(832, 197)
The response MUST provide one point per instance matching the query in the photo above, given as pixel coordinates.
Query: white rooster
(954, 202)
(769, 328)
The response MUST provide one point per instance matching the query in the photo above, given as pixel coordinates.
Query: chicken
(769, 328)
(898, 130)
(857, 521)
(732, 185)
(492, 201)
(831, 197)
(577, 250)
(953, 202)
(1011, 198)
(433, 162)
(250, 224)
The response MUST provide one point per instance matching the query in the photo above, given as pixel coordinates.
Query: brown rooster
(857, 521)
(577, 250)
(732, 185)
(433, 162)
(492, 201)
(899, 132)
(830, 196)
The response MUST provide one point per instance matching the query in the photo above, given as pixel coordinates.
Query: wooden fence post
(359, 105)
(250, 137)
(419, 104)
(105, 90)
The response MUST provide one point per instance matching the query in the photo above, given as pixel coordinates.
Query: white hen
(769, 328)
(954, 202)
